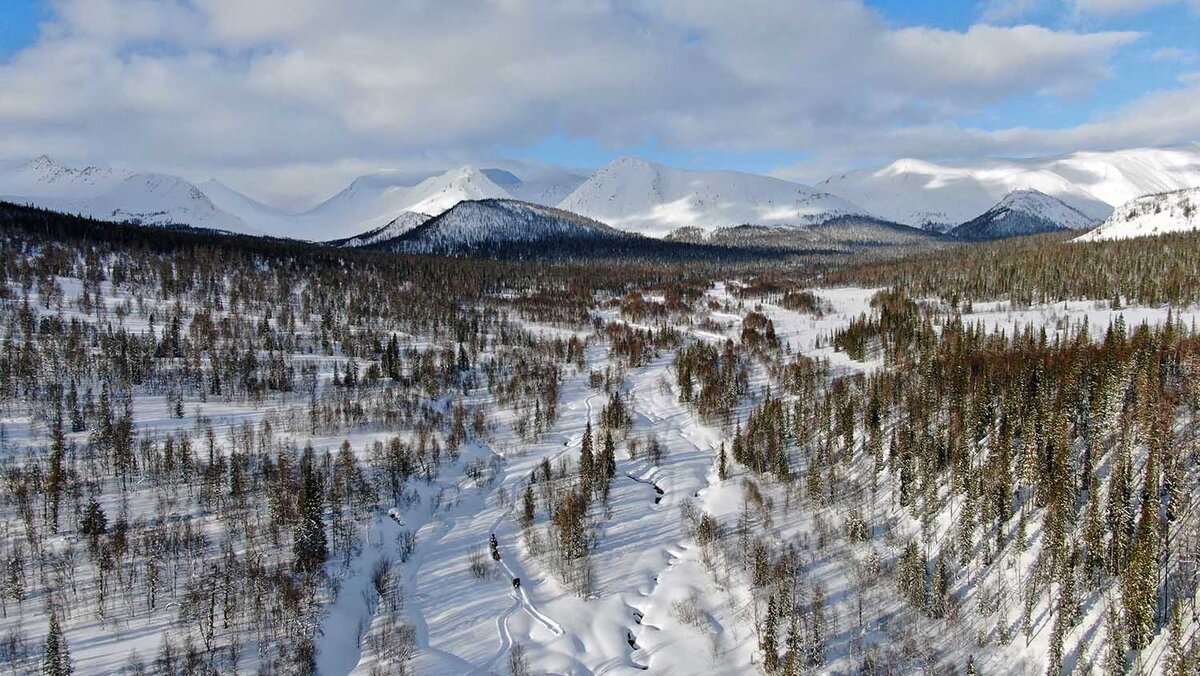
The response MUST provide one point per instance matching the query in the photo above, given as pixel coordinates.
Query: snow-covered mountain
(640, 196)
(1023, 212)
(476, 224)
(940, 196)
(1176, 211)
(373, 201)
(537, 184)
(116, 195)
(397, 227)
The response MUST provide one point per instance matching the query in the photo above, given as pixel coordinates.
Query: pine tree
(816, 643)
(587, 462)
(722, 464)
(1139, 586)
(1178, 661)
(608, 457)
(1114, 653)
(310, 546)
(768, 642)
(57, 658)
(54, 472)
(528, 507)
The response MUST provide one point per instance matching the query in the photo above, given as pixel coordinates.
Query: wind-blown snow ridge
(640, 196)
(1177, 211)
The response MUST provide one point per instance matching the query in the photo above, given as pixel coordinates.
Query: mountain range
(984, 200)
(941, 196)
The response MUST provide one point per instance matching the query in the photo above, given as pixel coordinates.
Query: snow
(116, 195)
(646, 566)
(651, 199)
(1177, 211)
(943, 195)
(397, 227)
(489, 221)
(1024, 212)
(370, 204)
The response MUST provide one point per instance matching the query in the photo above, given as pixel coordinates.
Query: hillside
(395, 228)
(479, 224)
(1022, 212)
(1169, 212)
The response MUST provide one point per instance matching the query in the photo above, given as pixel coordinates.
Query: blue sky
(18, 24)
(798, 88)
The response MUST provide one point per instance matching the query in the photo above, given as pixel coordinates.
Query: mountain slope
(1023, 212)
(479, 224)
(116, 195)
(1177, 211)
(940, 196)
(648, 198)
(397, 227)
(373, 201)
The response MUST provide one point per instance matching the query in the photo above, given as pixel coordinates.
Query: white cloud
(279, 89)
(1174, 55)
(1123, 7)
(1002, 11)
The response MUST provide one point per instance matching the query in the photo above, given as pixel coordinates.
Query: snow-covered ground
(659, 601)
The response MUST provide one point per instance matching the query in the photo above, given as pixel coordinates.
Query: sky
(288, 100)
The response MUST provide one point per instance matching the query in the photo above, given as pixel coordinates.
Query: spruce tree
(54, 472)
(528, 507)
(1178, 662)
(310, 546)
(57, 658)
(587, 461)
(722, 464)
(768, 642)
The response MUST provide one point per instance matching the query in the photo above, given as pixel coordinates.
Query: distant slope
(373, 201)
(116, 195)
(1022, 212)
(481, 224)
(940, 195)
(537, 184)
(1177, 211)
(843, 234)
(648, 198)
(397, 227)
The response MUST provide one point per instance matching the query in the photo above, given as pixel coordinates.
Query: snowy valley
(285, 468)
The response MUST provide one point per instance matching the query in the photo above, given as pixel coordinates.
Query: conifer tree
(1178, 662)
(768, 640)
(587, 461)
(56, 660)
(310, 546)
(528, 507)
(1114, 639)
(722, 464)
(54, 472)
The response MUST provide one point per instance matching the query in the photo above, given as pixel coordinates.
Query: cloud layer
(289, 88)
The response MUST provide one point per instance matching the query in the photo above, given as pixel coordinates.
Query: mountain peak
(641, 196)
(1024, 211)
